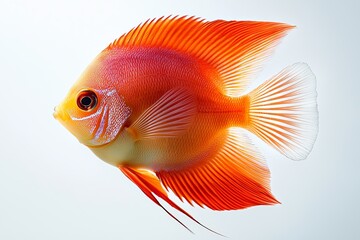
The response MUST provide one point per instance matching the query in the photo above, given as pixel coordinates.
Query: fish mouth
(56, 114)
(59, 114)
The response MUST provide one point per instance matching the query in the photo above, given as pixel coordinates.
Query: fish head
(93, 110)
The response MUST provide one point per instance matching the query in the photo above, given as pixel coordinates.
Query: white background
(52, 187)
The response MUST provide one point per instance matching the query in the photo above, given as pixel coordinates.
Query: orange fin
(234, 48)
(150, 185)
(170, 116)
(283, 111)
(235, 177)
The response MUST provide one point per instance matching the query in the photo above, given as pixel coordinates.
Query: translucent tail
(283, 111)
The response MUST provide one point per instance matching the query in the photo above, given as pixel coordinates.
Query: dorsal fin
(234, 48)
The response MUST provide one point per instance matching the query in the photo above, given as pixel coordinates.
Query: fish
(169, 104)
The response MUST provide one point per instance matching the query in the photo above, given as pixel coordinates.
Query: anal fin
(235, 177)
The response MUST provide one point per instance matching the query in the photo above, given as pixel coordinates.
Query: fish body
(166, 104)
(176, 73)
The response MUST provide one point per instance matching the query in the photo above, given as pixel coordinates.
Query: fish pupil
(86, 101)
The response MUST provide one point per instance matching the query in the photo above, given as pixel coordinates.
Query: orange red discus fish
(166, 103)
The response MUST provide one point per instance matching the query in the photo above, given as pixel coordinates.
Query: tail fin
(283, 111)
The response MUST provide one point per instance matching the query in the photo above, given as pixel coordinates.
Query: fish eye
(86, 100)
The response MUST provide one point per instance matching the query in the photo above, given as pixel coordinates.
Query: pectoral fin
(170, 116)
